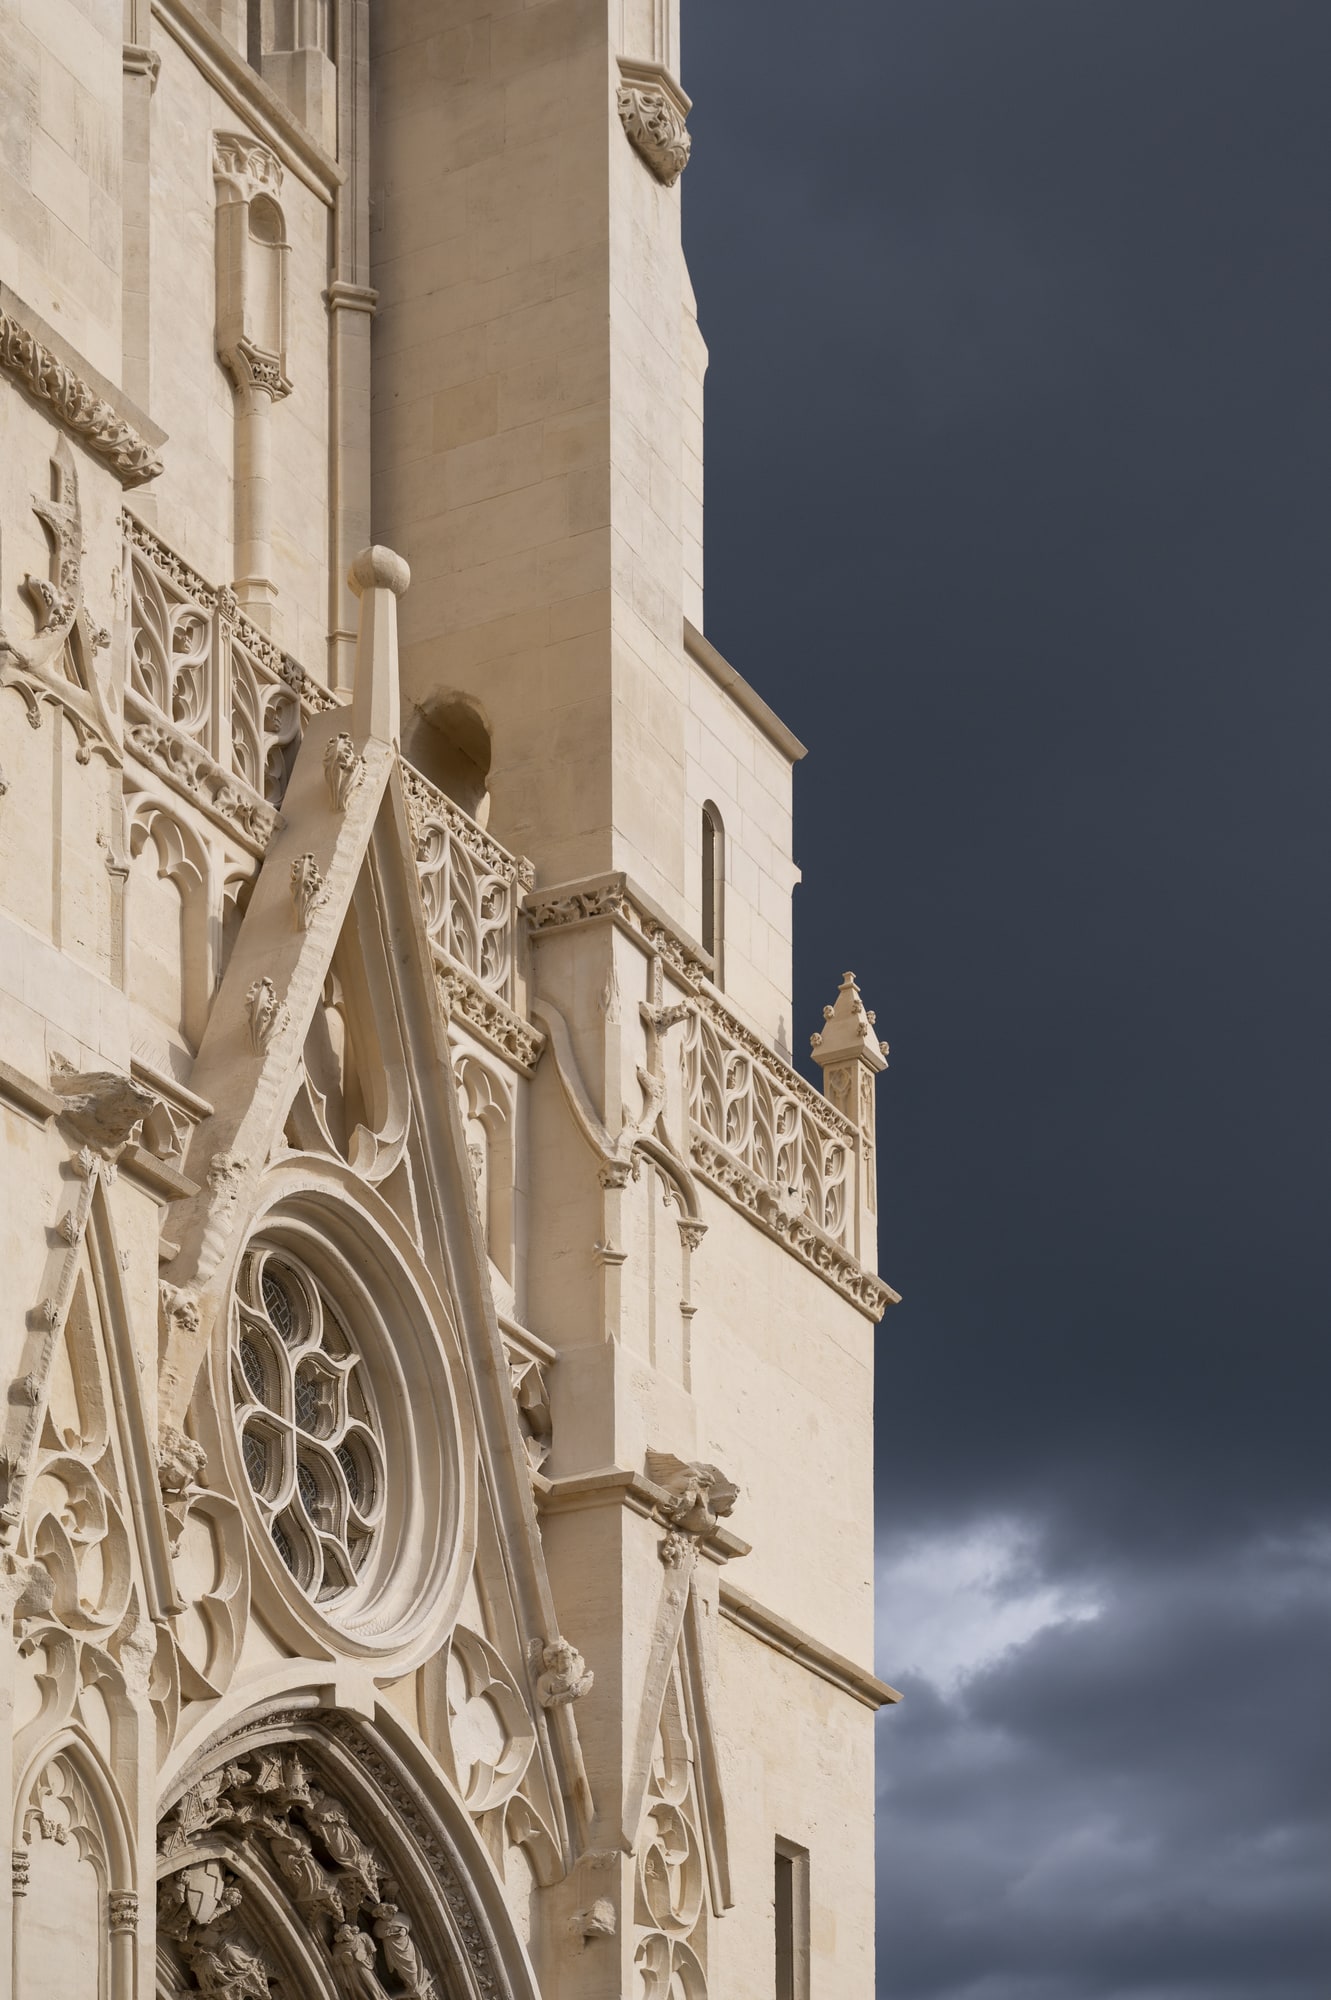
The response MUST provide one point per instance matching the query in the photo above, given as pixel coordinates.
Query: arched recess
(75, 1912)
(167, 954)
(486, 1104)
(321, 1853)
(714, 889)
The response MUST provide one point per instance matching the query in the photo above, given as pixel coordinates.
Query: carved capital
(244, 166)
(122, 1911)
(653, 110)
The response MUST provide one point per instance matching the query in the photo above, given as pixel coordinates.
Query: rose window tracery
(309, 1436)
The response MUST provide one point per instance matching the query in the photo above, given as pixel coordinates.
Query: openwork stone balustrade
(216, 709)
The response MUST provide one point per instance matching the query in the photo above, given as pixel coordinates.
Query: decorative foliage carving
(497, 1025)
(77, 406)
(564, 1675)
(57, 665)
(803, 1238)
(265, 1014)
(652, 110)
(307, 886)
(343, 768)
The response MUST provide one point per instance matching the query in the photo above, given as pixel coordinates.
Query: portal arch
(315, 1852)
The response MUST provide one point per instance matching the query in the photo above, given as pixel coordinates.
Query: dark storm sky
(1019, 510)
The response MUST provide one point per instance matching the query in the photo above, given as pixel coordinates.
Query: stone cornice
(788, 1226)
(771, 1629)
(613, 898)
(745, 698)
(250, 97)
(91, 409)
(473, 1006)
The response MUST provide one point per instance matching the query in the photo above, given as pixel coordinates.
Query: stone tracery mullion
(321, 1508)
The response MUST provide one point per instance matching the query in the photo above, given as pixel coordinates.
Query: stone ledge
(771, 1629)
(31, 1098)
(745, 698)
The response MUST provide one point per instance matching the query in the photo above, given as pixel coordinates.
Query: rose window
(308, 1432)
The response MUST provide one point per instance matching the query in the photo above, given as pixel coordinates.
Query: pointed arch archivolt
(75, 1911)
(328, 1851)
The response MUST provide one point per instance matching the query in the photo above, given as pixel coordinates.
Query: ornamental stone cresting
(436, 1457)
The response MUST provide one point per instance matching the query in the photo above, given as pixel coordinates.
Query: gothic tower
(435, 1491)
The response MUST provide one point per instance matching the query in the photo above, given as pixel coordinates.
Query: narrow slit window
(791, 1912)
(714, 889)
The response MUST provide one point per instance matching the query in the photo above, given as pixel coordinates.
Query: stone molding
(89, 407)
(613, 898)
(746, 699)
(653, 110)
(834, 1264)
(245, 92)
(495, 1024)
(771, 1629)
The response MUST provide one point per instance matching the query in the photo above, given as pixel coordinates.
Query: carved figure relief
(332, 1911)
(564, 1675)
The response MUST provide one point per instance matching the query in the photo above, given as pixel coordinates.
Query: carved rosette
(653, 110)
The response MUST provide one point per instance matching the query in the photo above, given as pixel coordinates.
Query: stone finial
(849, 1031)
(379, 568)
(378, 576)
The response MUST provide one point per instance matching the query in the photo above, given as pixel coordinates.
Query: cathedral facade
(438, 1319)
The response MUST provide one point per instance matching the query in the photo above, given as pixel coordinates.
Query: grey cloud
(1019, 421)
(1127, 1809)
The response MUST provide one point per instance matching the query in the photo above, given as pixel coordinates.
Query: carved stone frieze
(199, 778)
(331, 1874)
(833, 1263)
(77, 406)
(497, 1025)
